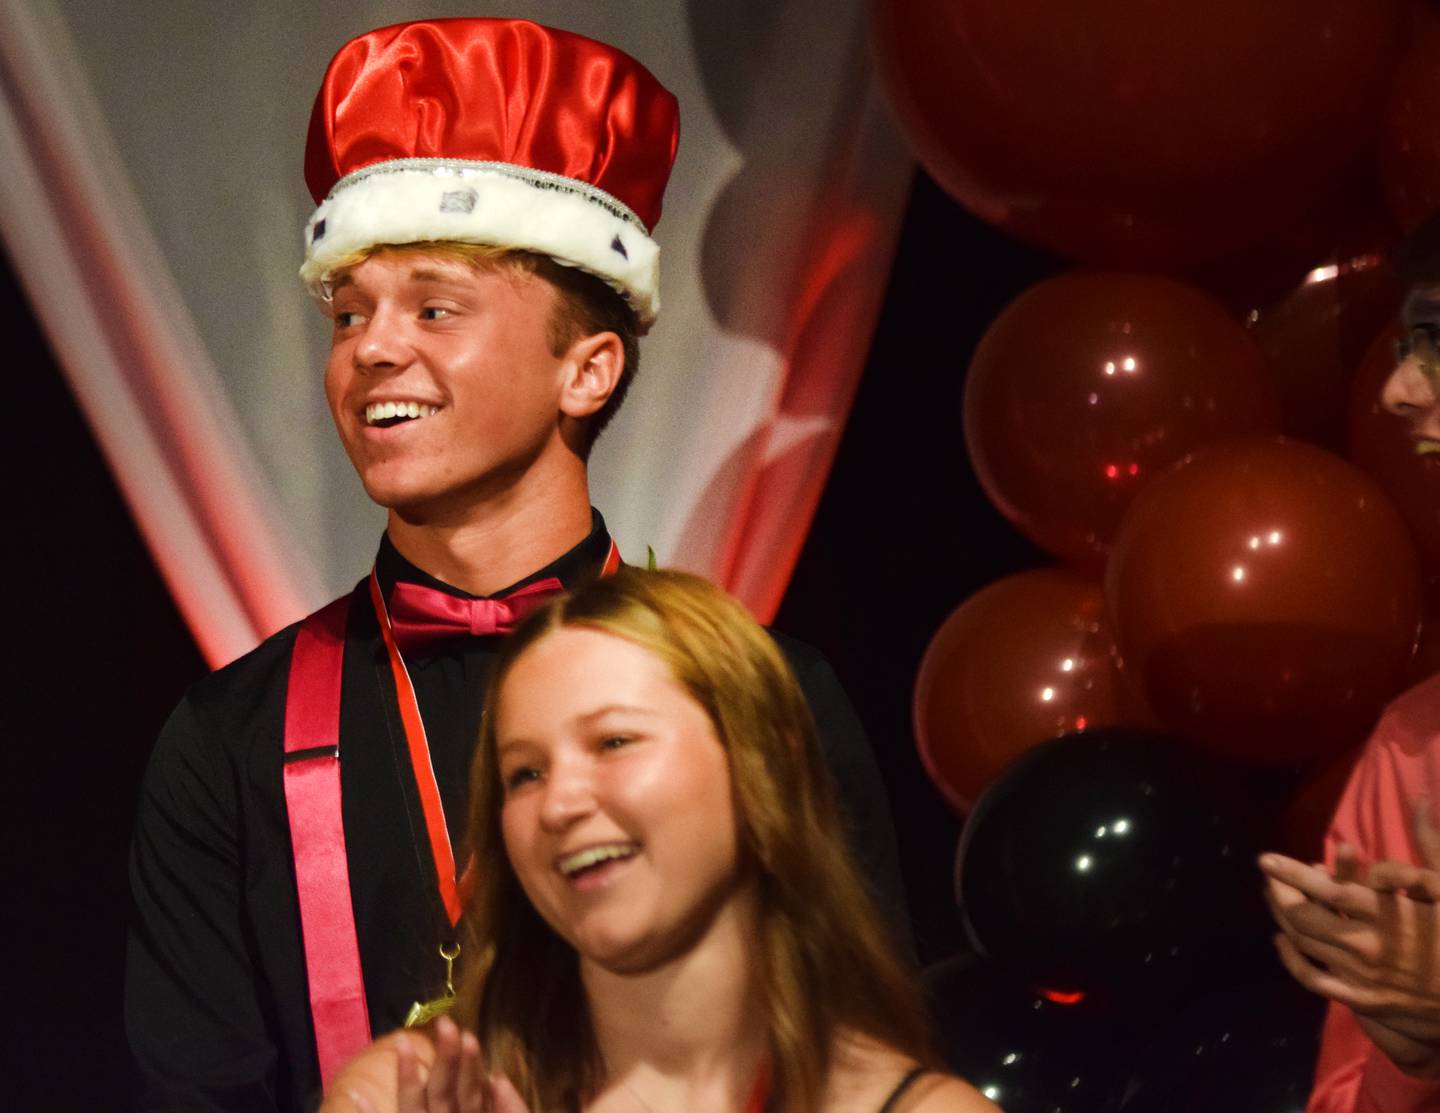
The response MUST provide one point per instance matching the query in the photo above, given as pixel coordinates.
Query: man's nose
(569, 794)
(385, 341)
(1409, 391)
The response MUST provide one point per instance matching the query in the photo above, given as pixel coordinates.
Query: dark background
(99, 653)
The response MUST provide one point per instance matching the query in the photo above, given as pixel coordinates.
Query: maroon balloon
(1266, 595)
(1126, 132)
(1427, 655)
(1024, 660)
(1299, 831)
(1380, 442)
(1315, 333)
(1410, 142)
(1090, 384)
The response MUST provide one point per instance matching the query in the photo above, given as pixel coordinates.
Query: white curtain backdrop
(152, 203)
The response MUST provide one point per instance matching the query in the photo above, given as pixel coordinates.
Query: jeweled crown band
(424, 200)
(463, 168)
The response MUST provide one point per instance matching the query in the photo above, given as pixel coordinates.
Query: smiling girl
(674, 924)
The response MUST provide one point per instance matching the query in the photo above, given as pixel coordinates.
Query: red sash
(317, 838)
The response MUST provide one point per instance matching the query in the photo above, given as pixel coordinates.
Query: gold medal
(422, 1012)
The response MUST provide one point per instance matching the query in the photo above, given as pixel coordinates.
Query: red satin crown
(495, 90)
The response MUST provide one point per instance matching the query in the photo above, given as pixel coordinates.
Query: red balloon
(1024, 660)
(1410, 140)
(1380, 443)
(1126, 132)
(1427, 656)
(1090, 384)
(1300, 830)
(1266, 597)
(1316, 333)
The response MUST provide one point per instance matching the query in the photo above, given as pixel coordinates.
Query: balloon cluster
(1171, 427)
(1236, 599)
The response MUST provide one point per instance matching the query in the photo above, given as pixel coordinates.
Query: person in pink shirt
(1364, 930)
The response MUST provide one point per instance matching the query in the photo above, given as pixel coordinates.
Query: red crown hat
(495, 131)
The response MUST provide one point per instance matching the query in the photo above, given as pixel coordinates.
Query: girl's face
(618, 817)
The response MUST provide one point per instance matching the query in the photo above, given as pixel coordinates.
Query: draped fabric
(153, 199)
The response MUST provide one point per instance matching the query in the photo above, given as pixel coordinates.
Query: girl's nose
(569, 795)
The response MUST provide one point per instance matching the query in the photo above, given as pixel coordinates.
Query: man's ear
(593, 367)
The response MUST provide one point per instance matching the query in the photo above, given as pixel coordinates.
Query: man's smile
(388, 413)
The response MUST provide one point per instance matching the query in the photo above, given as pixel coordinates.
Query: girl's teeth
(584, 859)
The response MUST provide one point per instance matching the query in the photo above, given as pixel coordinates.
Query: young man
(482, 245)
(1364, 932)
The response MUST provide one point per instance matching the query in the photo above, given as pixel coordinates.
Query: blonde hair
(584, 304)
(823, 964)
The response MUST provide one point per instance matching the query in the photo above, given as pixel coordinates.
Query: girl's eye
(518, 778)
(434, 313)
(346, 320)
(614, 741)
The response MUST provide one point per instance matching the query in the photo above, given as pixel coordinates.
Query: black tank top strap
(900, 1088)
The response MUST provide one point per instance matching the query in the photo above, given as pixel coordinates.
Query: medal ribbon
(418, 744)
(759, 1099)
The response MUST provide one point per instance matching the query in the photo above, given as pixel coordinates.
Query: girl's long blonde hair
(824, 965)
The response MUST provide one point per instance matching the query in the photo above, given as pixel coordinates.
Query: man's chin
(412, 510)
(402, 500)
(423, 507)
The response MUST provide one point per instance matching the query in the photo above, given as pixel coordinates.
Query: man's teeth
(593, 856)
(385, 411)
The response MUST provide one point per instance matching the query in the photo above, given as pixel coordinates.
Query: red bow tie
(422, 617)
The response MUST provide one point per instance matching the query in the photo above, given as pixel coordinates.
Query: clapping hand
(1368, 937)
(411, 1072)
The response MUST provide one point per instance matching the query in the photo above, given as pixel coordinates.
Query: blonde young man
(486, 191)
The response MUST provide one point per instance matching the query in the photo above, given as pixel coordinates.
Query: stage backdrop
(152, 203)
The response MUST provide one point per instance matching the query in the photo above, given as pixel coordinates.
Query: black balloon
(1024, 1051)
(1249, 1049)
(1110, 862)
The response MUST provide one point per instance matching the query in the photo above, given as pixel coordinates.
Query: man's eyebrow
(1422, 305)
(341, 281)
(425, 274)
(1423, 312)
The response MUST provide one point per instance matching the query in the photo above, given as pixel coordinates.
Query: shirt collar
(573, 568)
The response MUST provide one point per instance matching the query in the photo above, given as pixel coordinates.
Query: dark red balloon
(1380, 442)
(1315, 334)
(1266, 596)
(1410, 141)
(1023, 660)
(1300, 829)
(1090, 384)
(1427, 655)
(1126, 132)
